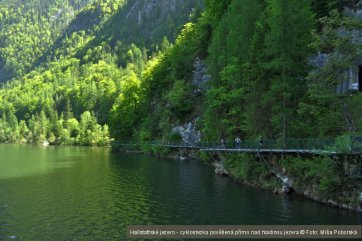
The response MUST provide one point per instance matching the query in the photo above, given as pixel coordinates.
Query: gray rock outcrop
(188, 132)
(200, 76)
(220, 169)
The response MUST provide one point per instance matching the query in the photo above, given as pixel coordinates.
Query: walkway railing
(289, 145)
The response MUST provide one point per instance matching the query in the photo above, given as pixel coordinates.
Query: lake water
(83, 193)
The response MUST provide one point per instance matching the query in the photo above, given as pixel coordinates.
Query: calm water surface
(78, 193)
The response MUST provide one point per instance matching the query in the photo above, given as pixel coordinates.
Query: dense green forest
(84, 72)
(65, 64)
(263, 82)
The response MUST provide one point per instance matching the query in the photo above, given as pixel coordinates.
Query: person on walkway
(261, 142)
(222, 143)
(237, 142)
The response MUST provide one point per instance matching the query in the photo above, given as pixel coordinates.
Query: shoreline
(273, 183)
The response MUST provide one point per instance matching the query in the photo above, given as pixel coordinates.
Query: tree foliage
(74, 71)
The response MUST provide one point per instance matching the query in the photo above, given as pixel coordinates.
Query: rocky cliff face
(188, 132)
(144, 10)
(156, 18)
(200, 76)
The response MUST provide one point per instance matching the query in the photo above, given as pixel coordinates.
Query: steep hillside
(28, 28)
(35, 32)
(262, 80)
(66, 80)
(151, 20)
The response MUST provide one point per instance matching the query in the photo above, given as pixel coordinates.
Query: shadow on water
(186, 192)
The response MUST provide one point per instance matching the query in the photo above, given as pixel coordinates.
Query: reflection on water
(28, 160)
(76, 193)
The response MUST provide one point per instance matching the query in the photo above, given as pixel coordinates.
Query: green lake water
(83, 193)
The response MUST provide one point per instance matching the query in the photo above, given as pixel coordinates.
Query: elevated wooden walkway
(296, 146)
(256, 150)
(302, 147)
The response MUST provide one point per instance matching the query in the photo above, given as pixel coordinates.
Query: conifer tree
(257, 83)
(290, 24)
(228, 53)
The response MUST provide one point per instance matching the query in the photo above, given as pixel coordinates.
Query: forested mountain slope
(67, 67)
(28, 28)
(263, 82)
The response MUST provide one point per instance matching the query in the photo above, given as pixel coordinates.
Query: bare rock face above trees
(148, 8)
(151, 18)
(200, 76)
